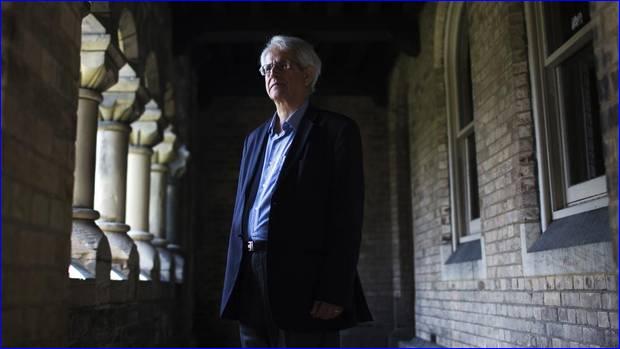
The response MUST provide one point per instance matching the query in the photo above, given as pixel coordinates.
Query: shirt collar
(292, 121)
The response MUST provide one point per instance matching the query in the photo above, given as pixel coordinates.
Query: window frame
(463, 228)
(557, 198)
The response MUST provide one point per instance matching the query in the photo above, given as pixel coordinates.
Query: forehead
(277, 54)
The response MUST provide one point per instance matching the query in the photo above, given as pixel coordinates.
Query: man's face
(286, 85)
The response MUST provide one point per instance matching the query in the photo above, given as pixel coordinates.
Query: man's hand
(325, 311)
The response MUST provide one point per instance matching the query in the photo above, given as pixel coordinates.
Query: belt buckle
(250, 245)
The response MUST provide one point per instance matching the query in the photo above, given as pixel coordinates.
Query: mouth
(276, 84)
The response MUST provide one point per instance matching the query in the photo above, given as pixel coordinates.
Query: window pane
(463, 187)
(562, 20)
(580, 107)
(466, 99)
(474, 210)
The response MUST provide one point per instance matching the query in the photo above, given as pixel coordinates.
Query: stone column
(176, 171)
(98, 71)
(144, 134)
(163, 153)
(118, 109)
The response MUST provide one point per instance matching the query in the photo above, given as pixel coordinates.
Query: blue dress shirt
(275, 154)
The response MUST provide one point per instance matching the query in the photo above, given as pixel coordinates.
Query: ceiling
(357, 42)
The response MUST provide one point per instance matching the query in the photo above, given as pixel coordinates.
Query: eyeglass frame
(283, 65)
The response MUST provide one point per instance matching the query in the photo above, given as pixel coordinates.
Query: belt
(257, 245)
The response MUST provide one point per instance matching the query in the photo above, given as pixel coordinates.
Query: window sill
(466, 252)
(467, 262)
(576, 230)
(575, 244)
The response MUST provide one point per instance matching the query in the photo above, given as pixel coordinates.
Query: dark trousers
(256, 325)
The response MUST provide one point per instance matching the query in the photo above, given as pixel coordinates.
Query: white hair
(302, 51)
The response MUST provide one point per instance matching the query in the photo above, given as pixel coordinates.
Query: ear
(308, 75)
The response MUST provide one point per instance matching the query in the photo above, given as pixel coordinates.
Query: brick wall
(605, 14)
(40, 85)
(429, 168)
(145, 318)
(401, 219)
(504, 134)
(508, 307)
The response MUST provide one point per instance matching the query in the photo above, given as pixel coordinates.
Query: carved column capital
(99, 63)
(145, 132)
(164, 152)
(119, 101)
(178, 165)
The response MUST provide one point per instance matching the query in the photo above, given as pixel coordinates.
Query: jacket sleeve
(346, 206)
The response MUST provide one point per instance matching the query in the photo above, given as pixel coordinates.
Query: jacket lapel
(305, 126)
(257, 147)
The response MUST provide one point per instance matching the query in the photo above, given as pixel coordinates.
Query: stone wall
(39, 100)
(511, 305)
(41, 305)
(376, 253)
(147, 318)
(217, 137)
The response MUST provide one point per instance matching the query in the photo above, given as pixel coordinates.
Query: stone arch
(449, 43)
(439, 33)
(128, 35)
(151, 74)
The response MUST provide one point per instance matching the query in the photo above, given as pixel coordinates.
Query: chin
(277, 96)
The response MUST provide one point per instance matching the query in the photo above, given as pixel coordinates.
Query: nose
(275, 71)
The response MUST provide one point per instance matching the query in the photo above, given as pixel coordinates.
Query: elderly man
(291, 274)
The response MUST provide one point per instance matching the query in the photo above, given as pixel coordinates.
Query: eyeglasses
(277, 65)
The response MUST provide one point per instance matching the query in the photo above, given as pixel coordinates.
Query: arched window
(461, 130)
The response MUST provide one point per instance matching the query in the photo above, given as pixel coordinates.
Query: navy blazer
(315, 224)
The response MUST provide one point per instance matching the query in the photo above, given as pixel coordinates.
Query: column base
(139, 235)
(179, 267)
(125, 258)
(166, 263)
(89, 245)
(149, 257)
(179, 262)
(159, 242)
(174, 247)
